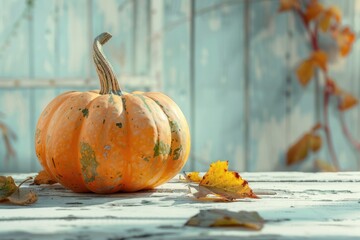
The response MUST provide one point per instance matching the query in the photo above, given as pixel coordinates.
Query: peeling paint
(88, 162)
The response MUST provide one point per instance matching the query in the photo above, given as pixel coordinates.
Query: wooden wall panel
(219, 86)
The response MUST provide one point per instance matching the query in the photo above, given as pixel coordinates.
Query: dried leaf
(23, 196)
(305, 72)
(43, 178)
(344, 38)
(306, 69)
(313, 10)
(194, 176)
(329, 15)
(347, 101)
(300, 150)
(225, 218)
(225, 183)
(7, 187)
(322, 166)
(320, 59)
(286, 5)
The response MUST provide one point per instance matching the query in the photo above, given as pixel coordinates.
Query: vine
(316, 18)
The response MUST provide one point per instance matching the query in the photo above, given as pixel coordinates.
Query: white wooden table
(298, 206)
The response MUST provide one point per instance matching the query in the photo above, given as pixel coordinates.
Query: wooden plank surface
(296, 206)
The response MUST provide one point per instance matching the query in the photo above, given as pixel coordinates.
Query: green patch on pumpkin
(161, 148)
(88, 162)
(177, 152)
(85, 112)
(144, 101)
(174, 126)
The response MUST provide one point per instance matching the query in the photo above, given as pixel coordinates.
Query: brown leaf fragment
(43, 178)
(23, 196)
(7, 187)
(226, 218)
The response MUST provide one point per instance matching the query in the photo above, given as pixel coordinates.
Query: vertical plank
(14, 62)
(269, 71)
(106, 18)
(142, 31)
(73, 41)
(219, 89)
(176, 56)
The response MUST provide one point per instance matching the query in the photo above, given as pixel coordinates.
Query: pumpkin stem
(108, 81)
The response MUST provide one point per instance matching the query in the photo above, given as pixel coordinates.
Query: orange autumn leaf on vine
(306, 69)
(313, 10)
(344, 38)
(347, 101)
(286, 5)
(227, 184)
(300, 150)
(329, 15)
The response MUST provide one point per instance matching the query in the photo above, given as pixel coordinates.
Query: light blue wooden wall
(228, 64)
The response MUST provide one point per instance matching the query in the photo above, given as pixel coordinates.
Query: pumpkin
(108, 140)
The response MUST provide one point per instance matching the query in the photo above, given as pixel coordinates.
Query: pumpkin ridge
(175, 136)
(161, 149)
(44, 130)
(85, 154)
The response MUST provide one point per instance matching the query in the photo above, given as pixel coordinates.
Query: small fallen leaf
(286, 5)
(43, 178)
(23, 196)
(225, 183)
(14, 194)
(225, 218)
(193, 176)
(7, 187)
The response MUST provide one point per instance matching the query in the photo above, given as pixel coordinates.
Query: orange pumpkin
(108, 141)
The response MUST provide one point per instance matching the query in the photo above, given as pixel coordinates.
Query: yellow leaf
(225, 183)
(286, 5)
(305, 72)
(43, 178)
(226, 218)
(7, 187)
(313, 10)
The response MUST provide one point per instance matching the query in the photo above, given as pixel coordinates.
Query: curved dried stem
(108, 81)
